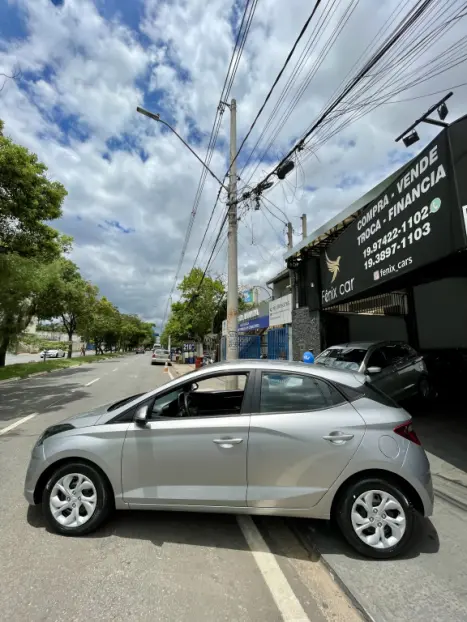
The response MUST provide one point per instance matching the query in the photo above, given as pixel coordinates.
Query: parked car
(392, 366)
(139, 350)
(160, 357)
(290, 440)
(53, 353)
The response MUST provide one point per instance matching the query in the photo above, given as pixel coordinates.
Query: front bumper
(36, 467)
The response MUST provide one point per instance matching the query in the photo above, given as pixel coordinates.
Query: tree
(28, 201)
(22, 284)
(101, 325)
(67, 296)
(192, 316)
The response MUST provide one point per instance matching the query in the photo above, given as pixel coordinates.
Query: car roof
(349, 378)
(363, 345)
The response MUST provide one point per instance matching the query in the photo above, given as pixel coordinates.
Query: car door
(386, 379)
(195, 460)
(303, 433)
(406, 369)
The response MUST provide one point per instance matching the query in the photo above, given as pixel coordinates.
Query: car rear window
(367, 390)
(342, 358)
(162, 352)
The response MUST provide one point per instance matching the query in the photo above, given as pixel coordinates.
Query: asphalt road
(141, 565)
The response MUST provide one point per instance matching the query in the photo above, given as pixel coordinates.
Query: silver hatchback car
(254, 437)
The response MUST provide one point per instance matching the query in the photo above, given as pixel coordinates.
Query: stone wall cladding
(306, 332)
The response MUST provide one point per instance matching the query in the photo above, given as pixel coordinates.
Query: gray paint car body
(292, 470)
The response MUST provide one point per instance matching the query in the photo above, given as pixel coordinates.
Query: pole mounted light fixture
(156, 117)
(410, 136)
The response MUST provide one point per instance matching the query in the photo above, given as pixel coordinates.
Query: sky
(82, 67)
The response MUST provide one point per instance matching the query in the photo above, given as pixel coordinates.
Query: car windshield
(349, 358)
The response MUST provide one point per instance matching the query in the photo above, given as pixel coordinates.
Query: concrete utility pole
(232, 271)
(289, 235)
(304, 232)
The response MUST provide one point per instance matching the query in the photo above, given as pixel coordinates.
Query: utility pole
(304, 232)
(289, 236)
(232, 271)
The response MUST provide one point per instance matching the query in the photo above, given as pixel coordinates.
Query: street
(141, 565)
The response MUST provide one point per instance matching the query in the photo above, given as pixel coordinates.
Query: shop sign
(280, 311)
(408, 226)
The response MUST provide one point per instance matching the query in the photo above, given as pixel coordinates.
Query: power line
(228, 82)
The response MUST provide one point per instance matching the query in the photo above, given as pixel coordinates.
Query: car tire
(402, 512)
(424, 388)
(97, 486)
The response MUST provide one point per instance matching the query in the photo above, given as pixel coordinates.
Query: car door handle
(227, 442)
(338, 438)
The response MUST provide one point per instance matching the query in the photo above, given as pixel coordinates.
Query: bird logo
(333, 267)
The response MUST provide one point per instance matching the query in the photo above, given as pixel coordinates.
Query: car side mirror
(374, 370)
(141, 417)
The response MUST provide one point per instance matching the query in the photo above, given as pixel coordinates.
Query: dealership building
(393, 265)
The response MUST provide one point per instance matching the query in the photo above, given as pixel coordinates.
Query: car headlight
(54, 429)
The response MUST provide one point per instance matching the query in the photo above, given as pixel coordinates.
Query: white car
(55, 353)
(160, 357)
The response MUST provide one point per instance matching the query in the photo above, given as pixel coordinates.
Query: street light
(410, 136)
(156, 117)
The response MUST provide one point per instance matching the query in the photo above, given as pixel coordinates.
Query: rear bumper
(416, 469)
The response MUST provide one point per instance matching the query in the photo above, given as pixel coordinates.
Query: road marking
(92, 382)
(171, 377)
(16, 424)
(115, 369)
(283, 595)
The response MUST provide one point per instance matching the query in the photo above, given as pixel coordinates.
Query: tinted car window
(342, 358)
(377, 359)
(395, 352)
(283, 392)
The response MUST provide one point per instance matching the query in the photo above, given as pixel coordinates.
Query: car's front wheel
(76, 499)
(376, 518)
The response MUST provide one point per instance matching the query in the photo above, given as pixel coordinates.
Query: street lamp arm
(156, 117)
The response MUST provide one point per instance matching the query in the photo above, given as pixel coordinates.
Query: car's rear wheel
(76, 499)
(376, 518)
(424, 388)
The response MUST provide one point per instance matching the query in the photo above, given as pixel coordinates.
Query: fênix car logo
(333, 267)
(336, 291)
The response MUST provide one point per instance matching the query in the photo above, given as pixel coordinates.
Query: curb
(304, 537)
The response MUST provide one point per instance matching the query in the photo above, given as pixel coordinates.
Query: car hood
(91, 417)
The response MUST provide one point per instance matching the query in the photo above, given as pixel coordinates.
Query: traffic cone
(166, 367)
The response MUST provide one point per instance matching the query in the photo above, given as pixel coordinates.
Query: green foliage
(27, 200)
(191, 318)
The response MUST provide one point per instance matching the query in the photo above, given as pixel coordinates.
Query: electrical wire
(403, 27)
(248, 13)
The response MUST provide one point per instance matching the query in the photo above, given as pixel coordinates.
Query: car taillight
(406, 431)
(153, 356)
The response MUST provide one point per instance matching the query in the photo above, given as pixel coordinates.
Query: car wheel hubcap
(73, 500)
(378, 519)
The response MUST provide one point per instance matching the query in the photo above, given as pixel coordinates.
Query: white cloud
(83, 76)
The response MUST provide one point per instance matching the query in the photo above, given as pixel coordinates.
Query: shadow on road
(38, 395)
(221, 531)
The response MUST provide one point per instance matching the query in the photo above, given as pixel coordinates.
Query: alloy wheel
(378, 519)
(73, 500)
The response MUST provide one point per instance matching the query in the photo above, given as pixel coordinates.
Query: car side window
(395, 353)
(377, 359)
(284, 392)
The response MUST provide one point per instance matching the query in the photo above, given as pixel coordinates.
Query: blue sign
(248, 296)
(308, 357)
(256, 323)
